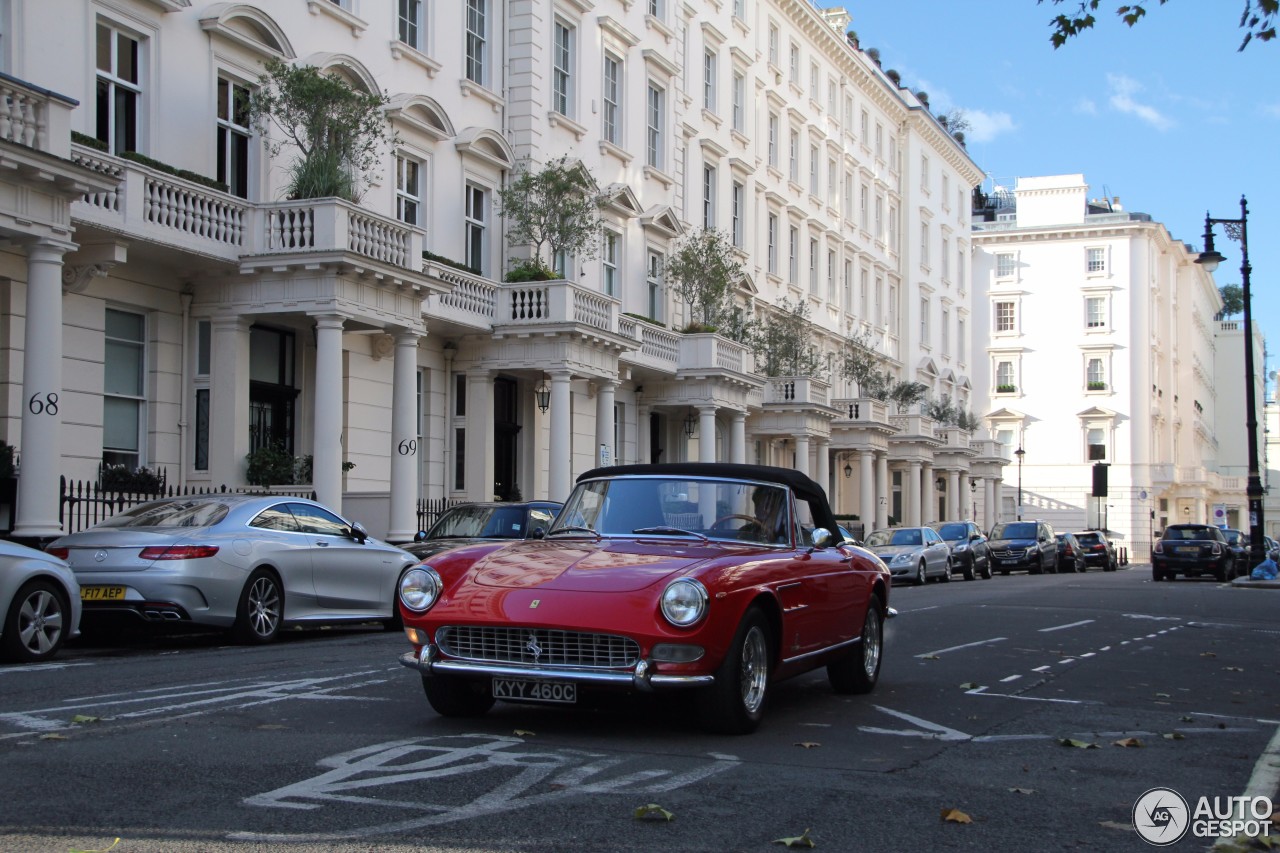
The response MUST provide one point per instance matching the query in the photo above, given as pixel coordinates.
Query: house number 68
(43, 404)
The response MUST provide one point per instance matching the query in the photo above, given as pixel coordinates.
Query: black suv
(1028, 545)
(1099, 550)
(1192, 550)
(969, 552)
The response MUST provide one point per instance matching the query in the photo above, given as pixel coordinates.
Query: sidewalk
(1246, 583)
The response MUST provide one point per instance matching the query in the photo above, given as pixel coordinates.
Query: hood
(585, 566)
(431, 547)
(888, 552)
(1019, 542)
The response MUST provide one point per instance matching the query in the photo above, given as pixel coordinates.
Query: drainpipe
(186, 390)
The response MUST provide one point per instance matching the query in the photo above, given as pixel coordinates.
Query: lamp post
(1238, 230)
(973, 500)
(1019, 453)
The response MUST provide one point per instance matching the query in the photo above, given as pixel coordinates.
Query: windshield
(1185, 534)
(909, 536)
(480, 522)
(185, 513)
(1014, 530)
(664, 506)
(1088, 539)
(953, 531)
(1233, 536)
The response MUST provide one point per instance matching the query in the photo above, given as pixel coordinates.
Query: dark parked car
(1192, 550)
(467, 524)
(1026, 545)
(1099, 550)
(1239, 542)
(1070, 554)
(970, 554)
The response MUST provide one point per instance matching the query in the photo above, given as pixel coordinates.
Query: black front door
(506, 430)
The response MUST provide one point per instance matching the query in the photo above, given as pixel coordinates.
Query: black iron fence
(429, 509)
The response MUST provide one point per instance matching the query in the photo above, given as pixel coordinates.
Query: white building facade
(178, 321)
(1102, 348)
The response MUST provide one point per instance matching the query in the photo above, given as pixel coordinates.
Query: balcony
(796, 391)
(953, 438)
(470, 300)
(35, 118)
(710, 354)
(659, 349)
(913, 425)
(554, 303)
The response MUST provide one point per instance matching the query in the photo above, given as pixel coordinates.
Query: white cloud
(1122, 99)
(1086, 106)
(985, 126)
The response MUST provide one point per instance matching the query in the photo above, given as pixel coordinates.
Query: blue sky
(1167, 115)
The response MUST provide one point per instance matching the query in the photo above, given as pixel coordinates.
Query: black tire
(859, 671)
(35, 625)
(457, 697)
(1224, 573)
(1111, 566)
(986, 569)
(735, 704)
(396, 622)
(946, 575)
(968, 568)
(922, 576)
(261, 609)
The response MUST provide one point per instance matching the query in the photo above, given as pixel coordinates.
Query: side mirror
(821, 537)
(538, 533)
(358, 533)
(420, 536)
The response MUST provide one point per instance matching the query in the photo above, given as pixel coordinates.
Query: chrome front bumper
(642, 677)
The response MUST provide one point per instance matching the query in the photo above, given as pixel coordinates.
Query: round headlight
(419, 588)
(684, 602)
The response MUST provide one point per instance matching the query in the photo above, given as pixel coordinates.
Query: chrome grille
(537, 646)
(1006, 553)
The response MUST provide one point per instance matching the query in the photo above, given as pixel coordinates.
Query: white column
(912, 508)
(867, 491)
(604, 422)
(957, 495)
(327, 457)
(642, 434)
(560, 476)
(738, 437)
(706, 433)
(823, 460)
(965, 497)
(42, 400)
(405, 452)
(996, 513)
(929, 495)
(479, 450)
(802, 454)
(882, 490)
(229, 398)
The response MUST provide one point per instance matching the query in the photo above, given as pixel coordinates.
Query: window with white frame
(657, 8)
(653, 285)
(813, 170)
(793, 157)
(562, 68)
(772, 240)
(1095, 443)
(814, 94)
(477, 41)
(833, 93)
(833, 182)
(1095, 374)
(891, 307)
(880, 306)
(879, 141)
(708, 197)
(924, 172)
(476, 219)
(234, 133)
(813, 266)
(960, 339)
(946, 257)
(408, 189)
(1095, 260)
(946, 190)
(609, 262)
(831, 276)
(960, 281)
(793, 255)
(847, 205)
(848, 113)
(119, 92)
(1095, 312)
(774, 44)
(865, 134)
(655, 126)
(878, 225)
(774, 129)
(740, 9)
(847, 301)
(409, 23)
(863, 218)
(893, 228)
(611, 98)
(739, 203)
(864, 284)
(1006, 381)
(124, 388)
(1006, 317)
(924, 321)
(1004, 265)
(739, 101)
(946, 332)
(710, 62)
(924, 244)
(794, 64)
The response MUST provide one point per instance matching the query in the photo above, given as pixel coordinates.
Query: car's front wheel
(946, 573)
(734, 705)
(35, 625)
(261, 609)
(858, 671)
(456, 697)
(968, 567)
(986, 568)
(922, 576)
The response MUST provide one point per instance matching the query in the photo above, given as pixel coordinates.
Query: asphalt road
(323, 742)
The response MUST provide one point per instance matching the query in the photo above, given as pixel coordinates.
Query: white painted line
(41, 667)
(936, 731)
(1010, 678)
(1155, 618)
(1068, 625)
(1088, 654)
(919, 609)
(1042, 668)
(1263, 782)
(1105, 649)
(1034, 698)
(965, 646)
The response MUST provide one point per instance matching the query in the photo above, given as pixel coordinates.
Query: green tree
(784, 341)
(906, 394)
(704, 271)
(338, 130)
(1257, 20)
(1232, 299)
(553, 211)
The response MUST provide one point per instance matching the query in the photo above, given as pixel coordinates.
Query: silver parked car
(39, 602)
(250, 563)
(915, 553)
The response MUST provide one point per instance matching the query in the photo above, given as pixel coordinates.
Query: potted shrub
(703, 271)
(554, 212)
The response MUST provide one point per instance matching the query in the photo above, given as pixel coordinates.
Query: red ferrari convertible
(681, 576)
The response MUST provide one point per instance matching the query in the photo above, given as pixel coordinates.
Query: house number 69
(408, 447)
(43, 404)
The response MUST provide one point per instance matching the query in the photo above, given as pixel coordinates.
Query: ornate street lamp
(1019, 453)
(1238, 230)
(848, 471)
(691, 425)
(542, 394)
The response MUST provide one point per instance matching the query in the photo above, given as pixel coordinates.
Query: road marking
(933, 731)
(1010, 678)
(1155, 618)
(919, 609)
(41, 667)
(1068, 625)
(1042, 668)
(965, 646)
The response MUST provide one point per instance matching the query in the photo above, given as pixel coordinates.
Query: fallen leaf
(653, 811)
(53, 736)
(81, 718)
(1022, 790)
(1078, 744)
(1162, 695)
(1235, 669)
(1128, 742)
(930, 657)
(522, 733)
(808, 744)
(969, 685)
(1175, 736)
(956, 816)
(1208, 655)
(1187, 719)
(802, 840)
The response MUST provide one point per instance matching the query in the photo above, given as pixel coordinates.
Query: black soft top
(802, 486)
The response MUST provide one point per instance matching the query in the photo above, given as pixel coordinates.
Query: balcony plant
(553, 211)
(783, 341)
(122, 478)
(1097, 386)
(1006, 389)
(338, 131)
(704, 271)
